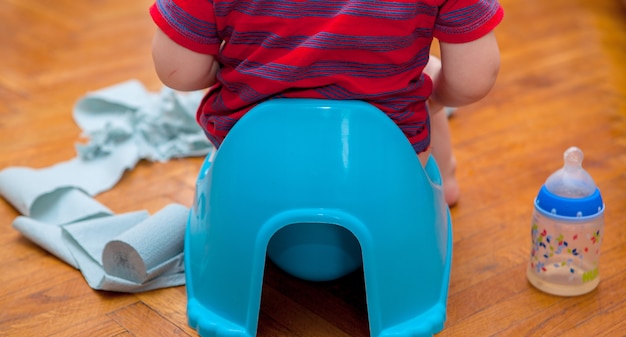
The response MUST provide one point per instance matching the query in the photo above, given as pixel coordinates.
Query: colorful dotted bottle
(567, 230)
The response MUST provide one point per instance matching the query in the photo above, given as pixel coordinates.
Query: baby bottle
(567, 230)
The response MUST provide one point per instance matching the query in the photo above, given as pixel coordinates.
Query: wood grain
(562, 83)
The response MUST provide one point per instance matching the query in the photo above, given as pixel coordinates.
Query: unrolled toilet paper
(124, 124)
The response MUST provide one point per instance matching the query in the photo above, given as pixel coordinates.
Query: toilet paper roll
(149, 248)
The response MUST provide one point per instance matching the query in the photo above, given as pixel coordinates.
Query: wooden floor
(562, 83)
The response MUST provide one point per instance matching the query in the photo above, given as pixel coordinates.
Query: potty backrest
(320, 146)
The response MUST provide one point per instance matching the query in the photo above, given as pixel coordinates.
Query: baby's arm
(468, 71)
(180, 68)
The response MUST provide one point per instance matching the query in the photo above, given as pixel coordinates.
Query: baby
(250, 51)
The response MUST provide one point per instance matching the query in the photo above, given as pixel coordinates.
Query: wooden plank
(141, 320)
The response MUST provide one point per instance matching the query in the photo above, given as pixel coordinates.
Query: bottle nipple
(571, 181)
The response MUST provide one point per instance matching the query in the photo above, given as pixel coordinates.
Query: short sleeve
(461, 21)
(190, 23)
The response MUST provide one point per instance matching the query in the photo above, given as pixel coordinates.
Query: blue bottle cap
(556, 205)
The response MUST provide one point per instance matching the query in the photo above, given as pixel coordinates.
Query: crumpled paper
(160, 126)
(129, 252)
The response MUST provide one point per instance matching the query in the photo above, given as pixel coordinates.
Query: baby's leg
(423, 157)
(441, 147)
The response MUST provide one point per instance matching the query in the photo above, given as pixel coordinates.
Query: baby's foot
(451, 189)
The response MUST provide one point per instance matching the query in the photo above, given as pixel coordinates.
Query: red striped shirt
(368, 50)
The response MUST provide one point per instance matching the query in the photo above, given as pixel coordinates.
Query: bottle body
(565, 252)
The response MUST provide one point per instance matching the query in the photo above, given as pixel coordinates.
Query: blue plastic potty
(322, 187)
